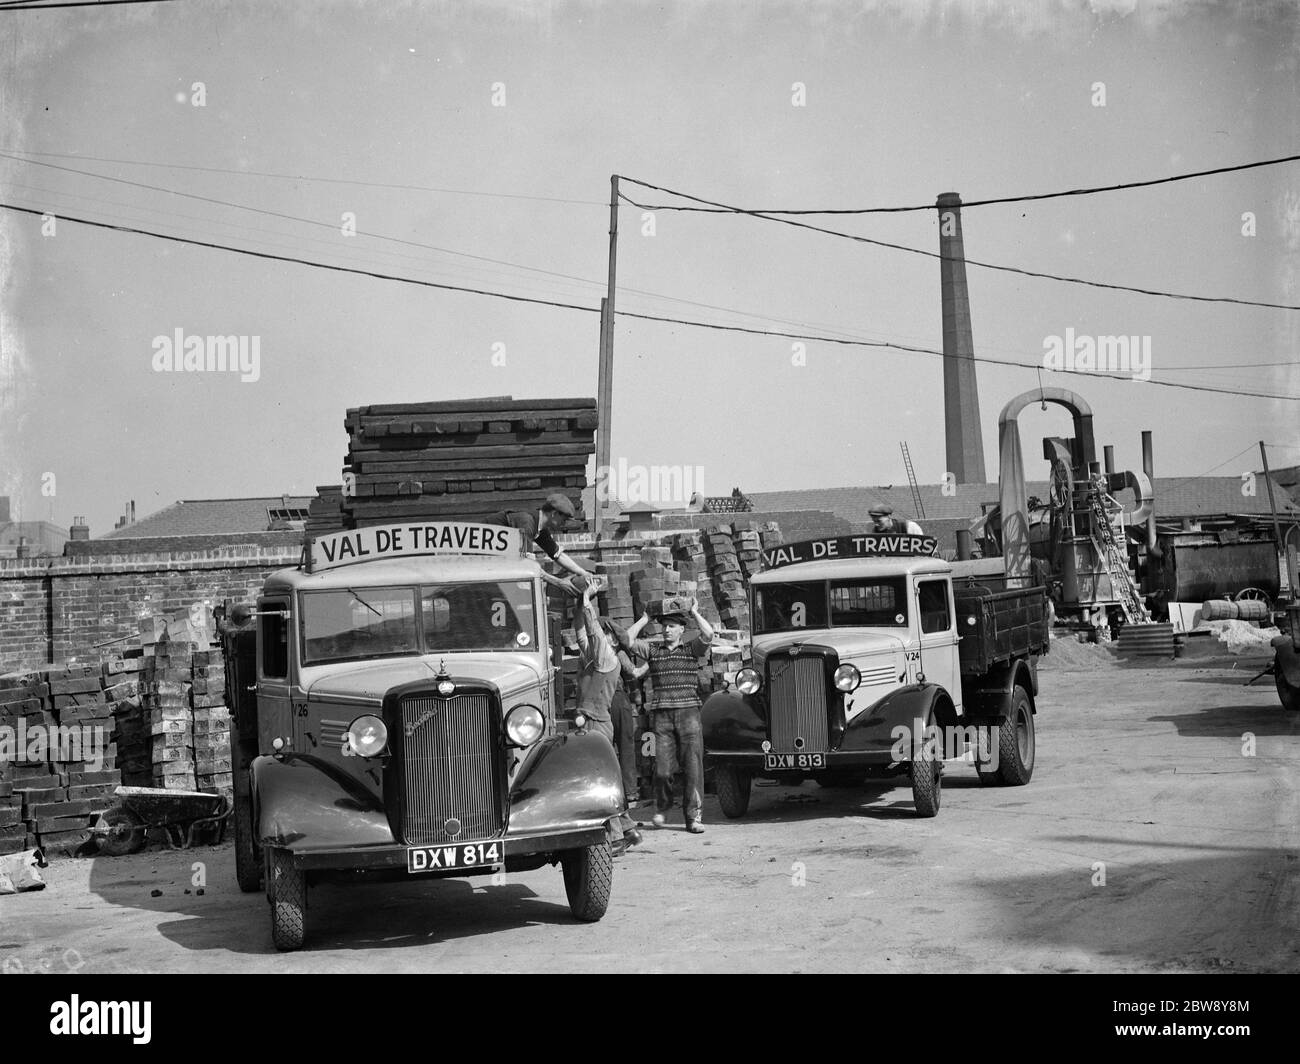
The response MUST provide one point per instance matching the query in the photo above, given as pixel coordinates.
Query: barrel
(1219, 610)
(1252, 609)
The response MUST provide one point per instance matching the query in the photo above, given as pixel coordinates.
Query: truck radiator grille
(449, 769)
(797, 688)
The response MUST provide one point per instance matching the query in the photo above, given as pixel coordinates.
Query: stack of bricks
(165, 697)
(770, 536)
(688, 560)
(325, 512)
(213, 767)
(58, 767)
(615, 599)
(727, 577)
(749, 551)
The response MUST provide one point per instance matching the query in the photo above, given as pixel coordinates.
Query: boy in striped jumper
(675, 675)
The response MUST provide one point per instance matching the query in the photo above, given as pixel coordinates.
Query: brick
(169, 675)
(10, 816)
(65, 843)
(113, 667)
(16, 844)
(176, 783)
(20, 708)
(93, 792)
(6, 789)
(173, 768)
(113, 776)
(13, 831)
(74, 685)
(41, 795)
(47, 810)
(213, 764)
(17, 679)
(72, 672)
(165, 755)
(31, 772)
(215, 701)
(98, 711)
(212, 727)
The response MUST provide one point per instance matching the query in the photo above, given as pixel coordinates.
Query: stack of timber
(465, 459)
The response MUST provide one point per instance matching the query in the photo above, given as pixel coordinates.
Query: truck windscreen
(874, 603)
(372, 622)
(478, 616)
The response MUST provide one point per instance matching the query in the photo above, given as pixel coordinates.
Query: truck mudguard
(733, 723)
(877, 729)
(987, 697)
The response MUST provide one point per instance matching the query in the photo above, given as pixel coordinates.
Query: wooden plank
(536, 465)
(411, 449)
(496, 407)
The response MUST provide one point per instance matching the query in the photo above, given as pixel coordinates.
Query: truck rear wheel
(733, 790)
(927, 786)
(248, 863)
(588, 879)
(287, 889)
(1016, 745)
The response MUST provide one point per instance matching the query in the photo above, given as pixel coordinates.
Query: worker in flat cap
(539, 530)
(885, 520)
(679, 744)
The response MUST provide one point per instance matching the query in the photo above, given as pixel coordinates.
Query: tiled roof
(1189, 497)
(203, 517)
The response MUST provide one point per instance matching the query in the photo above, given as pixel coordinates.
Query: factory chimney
(961, 401)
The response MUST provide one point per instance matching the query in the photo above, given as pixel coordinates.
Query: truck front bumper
(393, 856)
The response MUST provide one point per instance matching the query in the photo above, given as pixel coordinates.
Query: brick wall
(58, 609)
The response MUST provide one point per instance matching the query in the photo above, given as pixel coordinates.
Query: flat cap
(561, 503)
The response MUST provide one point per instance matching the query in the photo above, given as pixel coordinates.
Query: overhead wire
(968, 261)
(990, 201)
(594, 310)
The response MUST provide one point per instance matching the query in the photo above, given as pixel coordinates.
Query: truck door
(938, 634)
(274, 635)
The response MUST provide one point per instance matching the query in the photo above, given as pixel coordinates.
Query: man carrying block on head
(675, 675)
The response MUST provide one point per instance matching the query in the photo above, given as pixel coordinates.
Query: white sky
(904, 101)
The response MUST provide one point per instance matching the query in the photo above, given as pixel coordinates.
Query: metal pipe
(965, 545)
(1272, 506)
(1148, 469)
(1108, 453)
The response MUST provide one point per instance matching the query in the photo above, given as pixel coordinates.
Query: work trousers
(624, 823)
(679, 744)
(624, 714)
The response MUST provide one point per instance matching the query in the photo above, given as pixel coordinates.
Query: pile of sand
(1240, 637)
(1068, 654)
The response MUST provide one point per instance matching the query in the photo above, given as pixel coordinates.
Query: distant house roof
(1174, 497)
(205, 517)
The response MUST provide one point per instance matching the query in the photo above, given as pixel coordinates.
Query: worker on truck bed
(538, 529)
(886, 521)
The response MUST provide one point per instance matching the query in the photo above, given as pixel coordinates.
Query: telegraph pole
(605, 376)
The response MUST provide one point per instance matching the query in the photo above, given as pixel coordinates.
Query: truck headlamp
(366, 736)
(847, 678)
(524, 725)
(748, 682)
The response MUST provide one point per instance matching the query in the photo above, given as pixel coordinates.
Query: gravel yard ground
(1160, 833)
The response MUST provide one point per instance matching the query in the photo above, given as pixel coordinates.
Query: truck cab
(394, 713)
(868, 660)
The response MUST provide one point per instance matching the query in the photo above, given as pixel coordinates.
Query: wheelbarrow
(182, 816)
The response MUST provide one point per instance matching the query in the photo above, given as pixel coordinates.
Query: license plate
(793, 761)
(457, 855)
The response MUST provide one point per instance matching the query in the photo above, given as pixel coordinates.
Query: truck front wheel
(733, 790)
(588, 879)
(286, 887)
(927, 786)
(1016, 743)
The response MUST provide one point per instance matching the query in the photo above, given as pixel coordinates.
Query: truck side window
(275, 641)
(932, 598)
